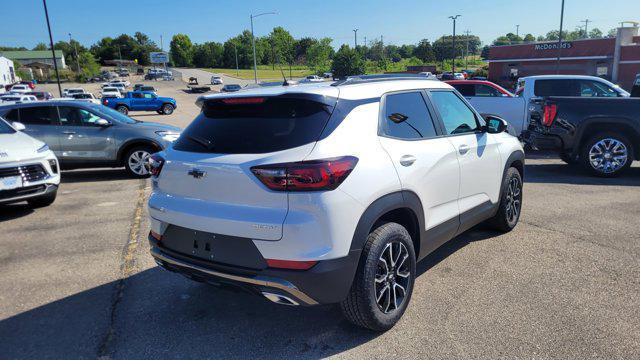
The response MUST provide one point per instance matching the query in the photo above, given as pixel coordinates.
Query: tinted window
(465, 89)
(485, 90)
(596, 89)
(269, 124)
(455, 114)
(39, 115)
(12, 115)
(74, 116)
(5, 128)
(137, 95)
(407, 117)
(557, 87)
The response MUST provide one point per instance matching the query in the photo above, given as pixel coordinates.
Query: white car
(69, 92)
(16, 98)
(429, 75)
(330, 193)
(29, 171)
(125, 83)
(20, 89)
(86, 97)
(110, 91)
(313, 78)
(216, 80)
(458, 76)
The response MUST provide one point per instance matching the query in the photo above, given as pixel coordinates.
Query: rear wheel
(137, 161)
(510, 205)
(384, 281)
(607, 154)
(44, 200)
(167, 109)
(122, 109)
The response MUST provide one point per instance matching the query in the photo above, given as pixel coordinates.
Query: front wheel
(167, 109)
(510, 205)
(384, 281)
(122, 109)
(607, 154)
(137, 162)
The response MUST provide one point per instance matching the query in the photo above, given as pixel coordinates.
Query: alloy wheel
(392, 277)
(608, 155)
(514, 199)
(139, 162)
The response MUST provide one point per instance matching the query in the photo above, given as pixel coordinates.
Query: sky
(399, 21)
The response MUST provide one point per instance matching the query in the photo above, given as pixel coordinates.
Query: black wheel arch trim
(601, 121)
(136, 142)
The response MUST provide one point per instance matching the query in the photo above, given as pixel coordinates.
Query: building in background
(7, 72)
(615, 59)
(27, 57)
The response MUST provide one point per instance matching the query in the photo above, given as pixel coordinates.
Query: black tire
(568, 158)
(361, 306)
(44, 200)
(607, 137)
(133, 170)
(167, 109)
(159, 112)
(122, 109)
(510, 199)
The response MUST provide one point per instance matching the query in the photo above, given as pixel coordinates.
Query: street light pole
(453, 63)
(253, 43)
(517, 30)
(560, 38)
(75, 49)
(53, 53)
(355, 38)
(235, 48)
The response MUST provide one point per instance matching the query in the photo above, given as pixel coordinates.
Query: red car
(479, 88)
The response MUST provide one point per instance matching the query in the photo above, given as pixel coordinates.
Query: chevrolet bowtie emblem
(197, 173)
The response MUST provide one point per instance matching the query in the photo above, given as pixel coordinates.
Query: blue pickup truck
(141, 101)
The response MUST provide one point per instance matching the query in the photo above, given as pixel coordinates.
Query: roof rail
(359, 79)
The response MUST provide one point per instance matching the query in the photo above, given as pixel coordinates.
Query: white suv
(330, 193)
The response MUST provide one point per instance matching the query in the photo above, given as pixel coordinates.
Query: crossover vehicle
(330, 193)
(20, 89)
(86, 135)
(29, 171)
(110, 92)
(217, 80)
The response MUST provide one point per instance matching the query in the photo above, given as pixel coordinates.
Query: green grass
(265, 72)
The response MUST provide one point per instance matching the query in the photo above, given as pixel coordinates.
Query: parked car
(143, 87)
(428, 75)
(71, 91)
(602, 134)
(41, 95)
(29, 83)
(16, 98)
(231, 88)
(86, 97)
(532, 87)
(327, 75)
(85, 135)
(125, 83)
(123, 72)
(313, 78)
(216, 80)
(635, 91)
(29, 170)
(271, 189)
(492, 99)
(142, 101)
(110, 92)
(20, 89)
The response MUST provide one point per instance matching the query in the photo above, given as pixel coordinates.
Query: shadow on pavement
(14, 211)
(574, 174)
(76, 176)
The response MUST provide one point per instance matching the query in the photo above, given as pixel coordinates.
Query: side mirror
(18, 126)
(495, 125)
(102, 123)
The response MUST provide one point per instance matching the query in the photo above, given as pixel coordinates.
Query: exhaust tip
(279, 299)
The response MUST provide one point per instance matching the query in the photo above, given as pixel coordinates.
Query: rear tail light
(290, 264)
(156, 162)
(550, 111)
(315, 175)
(243, 100)
(105, 102)
(155, 235)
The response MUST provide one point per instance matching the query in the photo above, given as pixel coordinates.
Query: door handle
(69, 132)
(463, 149)
(407, 160)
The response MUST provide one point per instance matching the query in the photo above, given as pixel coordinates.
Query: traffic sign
(159, 57)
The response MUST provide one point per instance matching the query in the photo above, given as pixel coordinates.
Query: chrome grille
(29, 173)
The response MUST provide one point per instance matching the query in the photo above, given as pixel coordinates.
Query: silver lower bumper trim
(269, 282)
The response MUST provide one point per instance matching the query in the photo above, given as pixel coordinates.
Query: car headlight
(44, 148)
(170, 136)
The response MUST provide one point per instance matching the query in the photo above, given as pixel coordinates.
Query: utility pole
(453, 63)
(365, 48)
(560, 38)
(253, 42)
(517, 30)
(53, 53)
(161, 46)
(235, 48)
(381, 47)
(355, 38)
(466, 53)
(75, 47)
(586, 27)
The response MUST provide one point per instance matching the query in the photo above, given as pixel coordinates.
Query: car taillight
(290, 264)
(314, 175)
(550, 111)
(155, 235)
(105, 102)
(155, 164)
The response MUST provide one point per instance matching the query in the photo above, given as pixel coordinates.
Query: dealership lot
(76, 280)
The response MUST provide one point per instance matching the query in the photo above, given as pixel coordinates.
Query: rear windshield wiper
(198, 140)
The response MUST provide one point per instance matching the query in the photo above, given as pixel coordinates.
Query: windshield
(11, 98)
(5, 128)
(109, 113)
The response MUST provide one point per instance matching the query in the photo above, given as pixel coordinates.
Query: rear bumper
(327, 282)
(539, 141)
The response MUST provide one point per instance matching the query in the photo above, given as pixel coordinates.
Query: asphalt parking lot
(76, 281)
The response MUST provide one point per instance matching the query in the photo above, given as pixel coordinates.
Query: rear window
(556, 88)
(266, 125)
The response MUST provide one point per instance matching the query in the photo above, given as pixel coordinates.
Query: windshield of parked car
(110, 114)
(11, 98)
(5, 128)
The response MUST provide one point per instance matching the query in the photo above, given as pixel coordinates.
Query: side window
(148, 96)
(559, 87)
(73, 116)
(485, 90)
(407, 117)
(12, 116)
(590, 88)
(465, 89)
(455, 114)
(137, 95)
(38, 115)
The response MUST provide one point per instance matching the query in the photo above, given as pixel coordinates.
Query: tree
(407, 51)
(208, 55)
(88, 65)
(485, 52)
(595, 33)
(301, 48)
(347, 62)
(529, 38)
(69, 51)
(443, 47)
(41, 46)
(612, 33)
(283, 46)
(181, 50)
(319, 56)
(424, 51)
(393, 52)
